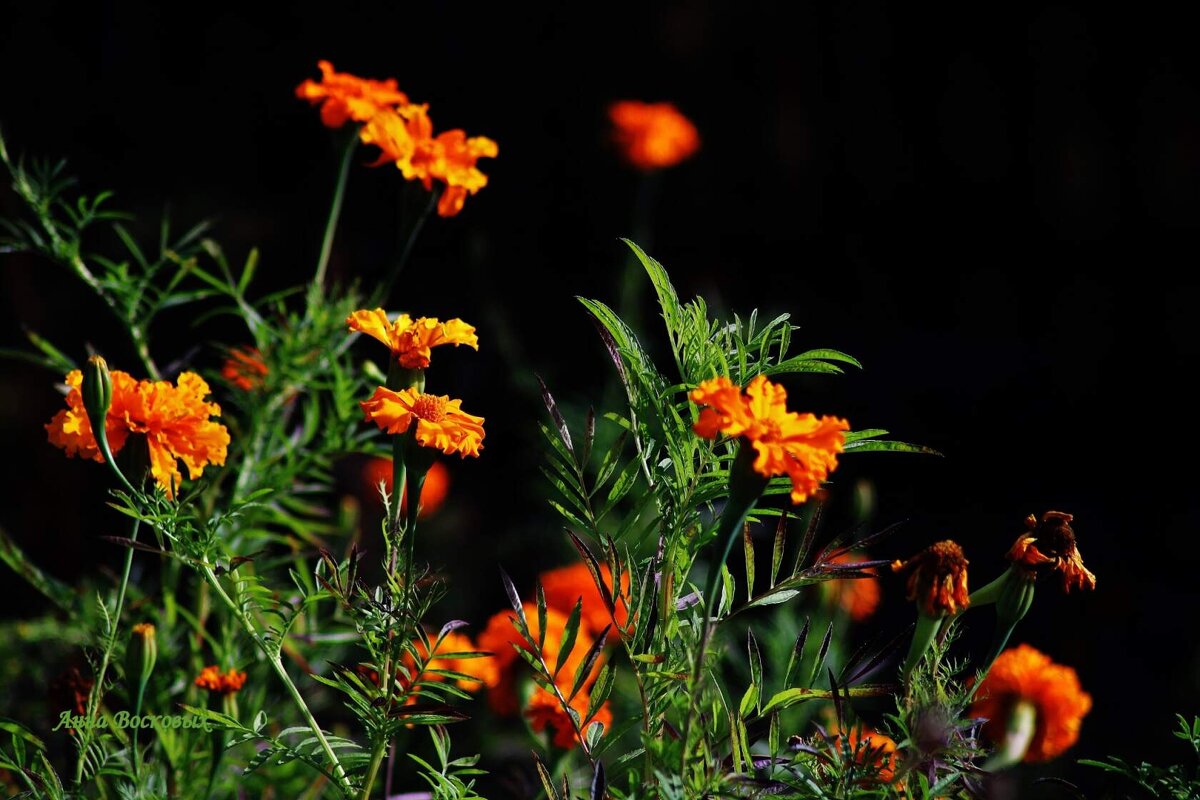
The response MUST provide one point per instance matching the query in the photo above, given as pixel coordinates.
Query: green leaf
(570, 631)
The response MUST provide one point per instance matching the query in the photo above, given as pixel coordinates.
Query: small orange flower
(244, 368)
(787, 443)
(410, 339)
(344, 96)
(858, 597)
(545, 711)
(440, 422)
(210, 678)
(878, 752)
(1023, 674)
(433, 492)
(652, 135)
(564, 586)
(937, 579)
(174, 420)
(1057, 551)
(483, 671)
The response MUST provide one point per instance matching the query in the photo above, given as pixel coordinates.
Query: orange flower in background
(244, 368)
(441, 424)
(858, 597)
(174, 419)
(787, 443)
(433, 493)
(566, 585)
(1049, 545)
(1026, 675)
(937, 579)
(483, 671)
(544, 711)
(652, 135)
(210, 678)
(878, 752)
(410, 339)
(344, 96)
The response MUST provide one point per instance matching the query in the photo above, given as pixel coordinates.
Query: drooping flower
(858, 597)
(174, 419)
(545, 711)
(433, 492)
(410, 339)
(213, 680)
(652, 135)
(441, 423)
(1023, 677)
(802, 446)
(937, 579)
(564, 586)
(1049, 546)
(244, 368)
(347, 97)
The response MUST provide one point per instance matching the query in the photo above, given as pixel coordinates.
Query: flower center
(946, 558)
(430, 407)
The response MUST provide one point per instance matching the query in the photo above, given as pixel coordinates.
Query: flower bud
(141, 657)
(97, 393)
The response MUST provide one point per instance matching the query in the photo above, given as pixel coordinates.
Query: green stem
(335, 210)
(373, 769)
(409, 243)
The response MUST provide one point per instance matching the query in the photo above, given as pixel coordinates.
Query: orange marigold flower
(1049, 545)
(652, 135)
(174, 420)
(447, 656)
(440, 422)
(937, 579)
(544, 711)
(787, 443)
(410, 339)
(564, 586)
(433, 492)
(1025, 675)
(210, 678)
(244, 368)
(344, 96)
(858, 597)
(878, 751)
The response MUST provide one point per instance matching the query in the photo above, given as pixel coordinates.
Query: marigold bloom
(433, 492)
(787, 443)
(440, 422)
(652, 135)
(564, 586)
(858, 597)
(483, 671)
(410, 339)
(174, 420)
(1023, 674)
(344, 96)
(1054, 551)
(878, 752)
(244, 368)
(210, 678)
(544, 711)
(937, 579)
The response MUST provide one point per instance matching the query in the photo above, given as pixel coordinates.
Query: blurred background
(995, 208)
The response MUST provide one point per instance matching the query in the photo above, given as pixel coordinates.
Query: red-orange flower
(937, 579)
(344, 96)
(210, 678)
(410, 339)
(652, 135)
(174, 419)
(244, 368)
(877, 752)
(447, 656)
(1025, 675)
(1049, 545)
(433, 492)
(441, 424)
(545, 711)
(564, 586)
(787, 443)
(858, 597)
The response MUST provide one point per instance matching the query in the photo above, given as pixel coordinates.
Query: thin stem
(386, 289)
(373, 769)
(335, 210)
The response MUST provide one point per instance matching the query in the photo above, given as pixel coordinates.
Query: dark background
(994, 208)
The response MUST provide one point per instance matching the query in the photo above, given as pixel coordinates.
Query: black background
(995, 208)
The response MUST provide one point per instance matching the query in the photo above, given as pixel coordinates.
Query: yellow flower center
(430, 407)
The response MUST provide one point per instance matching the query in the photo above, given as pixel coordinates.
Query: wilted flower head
(1049, 546)
(937, 579)
(802, 446)
(652, 135)
(344, 96)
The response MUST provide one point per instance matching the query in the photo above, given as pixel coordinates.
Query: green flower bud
(97, 394)
(140, 658)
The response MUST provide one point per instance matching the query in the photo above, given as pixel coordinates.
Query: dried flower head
(937, 579)
(652, 135)
(441, 423)
(344, 96)
(410, 339)
(1048, 545)
(1025, 675)
(802, 446)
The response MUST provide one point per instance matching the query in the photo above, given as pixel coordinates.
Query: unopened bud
(97, 393)
(141, 657)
